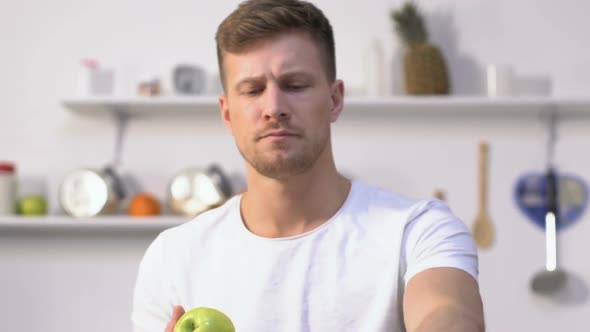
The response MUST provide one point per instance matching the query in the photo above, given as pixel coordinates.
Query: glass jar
(7, 188)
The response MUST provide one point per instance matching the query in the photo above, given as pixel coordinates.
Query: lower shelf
(102, 222)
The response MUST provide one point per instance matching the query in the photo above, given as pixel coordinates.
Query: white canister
(499, 80)
(7, 188)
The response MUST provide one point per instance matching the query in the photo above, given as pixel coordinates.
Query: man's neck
(282, 208)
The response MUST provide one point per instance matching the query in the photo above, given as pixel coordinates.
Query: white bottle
(395, 81)
(7, 188)
(374, 75)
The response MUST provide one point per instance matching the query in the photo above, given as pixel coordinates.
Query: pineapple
(424, 65)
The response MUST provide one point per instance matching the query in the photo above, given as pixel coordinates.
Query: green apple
(32, 205)
(204, 319)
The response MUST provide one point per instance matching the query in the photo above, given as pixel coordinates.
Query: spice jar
(7, 188)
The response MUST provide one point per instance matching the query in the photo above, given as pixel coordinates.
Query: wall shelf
(442, 105)
(425, 106)
(109, 223)
(142, 105)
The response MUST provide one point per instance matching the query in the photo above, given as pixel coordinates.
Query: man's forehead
(240, 67)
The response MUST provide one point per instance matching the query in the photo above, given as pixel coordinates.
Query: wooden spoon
(483, 230)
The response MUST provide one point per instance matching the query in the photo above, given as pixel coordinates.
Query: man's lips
(279, 134)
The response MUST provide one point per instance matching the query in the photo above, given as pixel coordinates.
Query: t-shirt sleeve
(435, 237)
(152, 308)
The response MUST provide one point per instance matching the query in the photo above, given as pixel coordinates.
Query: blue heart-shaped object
(530, 194)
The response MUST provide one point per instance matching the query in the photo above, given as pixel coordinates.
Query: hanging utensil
(530, 190)
(551, 278)
(483, 230)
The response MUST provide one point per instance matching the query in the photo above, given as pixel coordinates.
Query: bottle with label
(7, 188)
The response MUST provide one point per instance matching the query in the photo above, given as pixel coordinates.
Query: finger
(176, 314)
(170, 326)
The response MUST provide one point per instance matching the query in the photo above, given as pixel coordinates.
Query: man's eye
(253, 91)
(296, 87)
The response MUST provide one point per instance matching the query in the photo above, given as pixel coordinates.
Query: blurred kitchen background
(68, 66)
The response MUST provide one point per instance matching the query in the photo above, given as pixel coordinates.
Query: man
(304, 248)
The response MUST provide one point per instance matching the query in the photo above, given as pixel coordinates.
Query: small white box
(95, 81)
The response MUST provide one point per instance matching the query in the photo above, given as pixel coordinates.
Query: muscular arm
(443, 299)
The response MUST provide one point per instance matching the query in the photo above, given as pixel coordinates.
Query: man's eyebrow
(247, 81)
(258, 79)
(296, 74)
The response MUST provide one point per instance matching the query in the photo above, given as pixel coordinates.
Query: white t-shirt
(346, 275)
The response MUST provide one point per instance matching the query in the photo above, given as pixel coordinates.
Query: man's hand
(176, 314)
(443, 299)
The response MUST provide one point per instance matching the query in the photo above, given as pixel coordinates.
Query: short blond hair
(256, 20)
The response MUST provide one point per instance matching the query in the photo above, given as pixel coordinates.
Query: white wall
(74, 279)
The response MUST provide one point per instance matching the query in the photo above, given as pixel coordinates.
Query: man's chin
(281, 169)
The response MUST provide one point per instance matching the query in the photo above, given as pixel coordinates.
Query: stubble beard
(280, 167)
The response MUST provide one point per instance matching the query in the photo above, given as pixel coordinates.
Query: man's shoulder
(379, 198)
(384, 205)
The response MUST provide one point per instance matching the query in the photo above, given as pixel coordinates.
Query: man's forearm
(451, 318)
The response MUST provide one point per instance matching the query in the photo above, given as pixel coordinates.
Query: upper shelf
(460, 105)
(143, 105)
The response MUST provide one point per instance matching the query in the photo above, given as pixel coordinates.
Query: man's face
(279, 104)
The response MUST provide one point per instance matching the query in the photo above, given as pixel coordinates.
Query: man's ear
(224, 107)
(337, 100)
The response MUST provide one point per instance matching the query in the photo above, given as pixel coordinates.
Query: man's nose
(275, 104)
